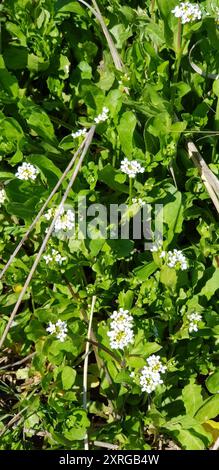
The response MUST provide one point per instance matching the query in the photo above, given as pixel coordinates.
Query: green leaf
(145, 271)
(212, 285)
(209, 410)
(189, 440)
(69, 6)
(126, 299)
(168, 277)
(7, 81)
(108, 175)
(47, 166)
(173, 212)
(192, 397)
(38, 120)
(126, 129)
(68, 377)
(21, 211)
(212, 382)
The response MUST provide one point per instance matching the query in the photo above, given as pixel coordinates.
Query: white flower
(59, 329)
(155, 364)
(149, 380)
(121, 329)
(51, 328)
(120, 338)
(194, 320)
(79, 133)
(48, 258)
(103, 116)
(150, 375)
(188, 12)
(54, 256)
(131, 167)
(27, 172)
(2, 196)
(163, 254)
(121, 319)
(65, 221)
(138, 201)
(176, 258)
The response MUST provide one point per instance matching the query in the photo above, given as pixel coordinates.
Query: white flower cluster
(54, 256)
(2, 196)
(188, 12)
(103, 116)
(59, 329)
(194, 319)
(138, 201)
(27, 172)
(131, 167)
(79, 133)
(121, 329)
(176, 258)
(150, 375)
(173, 259)
(65, 220)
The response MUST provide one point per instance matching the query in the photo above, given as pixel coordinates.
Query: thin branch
(105, 445)
(18, 363)
(96, 12)
(209, 179)
(13, 420)
(49, 232)
(25, 237)
(86, 443)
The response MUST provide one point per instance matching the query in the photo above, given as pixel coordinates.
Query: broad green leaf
(62, 6)
(212, 285)
(192, 397)
(7, 81)
(173, 213)
(212, 382)
(210, 409)
(168, 276)
(47, 166)
(68, 377)
(145, 271)
(37, 120)
(126, 129)
(107, 176)
(189, 440)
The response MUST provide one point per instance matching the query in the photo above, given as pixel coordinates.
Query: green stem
(179, 34)
(152, 7)
(130, 190)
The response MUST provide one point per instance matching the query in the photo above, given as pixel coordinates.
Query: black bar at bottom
(92, 459)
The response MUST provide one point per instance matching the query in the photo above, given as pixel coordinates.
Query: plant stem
(179, 34)
(130, 190)
(152, 7)
(85, 371)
